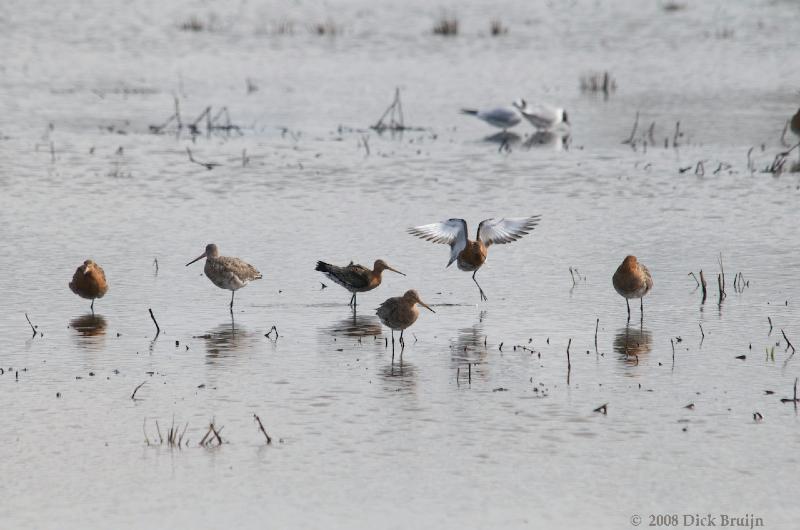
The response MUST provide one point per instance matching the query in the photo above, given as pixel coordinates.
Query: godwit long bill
(226, 272)
(470, 254)
(356, 278)
(89, 281)
(632, 280)
(400, 312)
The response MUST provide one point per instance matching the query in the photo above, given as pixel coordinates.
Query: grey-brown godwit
(400, 312)
(470, 254)
(632, 280)
(356, 278)
(226, 272)
(89, 281)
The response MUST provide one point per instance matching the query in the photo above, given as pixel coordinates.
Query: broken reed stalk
(770, 326)
(702, 334)
(469, 371)
(789, 344)
(394, 109)
(672, 341)
(31, 324)
(261, 428)
(695, 279)
(596, 327)
(703, 285)
(602, 408)
(140, 385)
(633, 132)
(569, 364)
(158, 329)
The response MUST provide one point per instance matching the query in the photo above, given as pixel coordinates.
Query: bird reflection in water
(630, 343)
(471, 344)
(357, 326)
(89, 325)
(555, 140)
(228, 339)
(504, 139)
(399, 375)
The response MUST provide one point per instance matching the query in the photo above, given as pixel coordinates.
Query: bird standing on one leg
(89, 281)
(226, 272)
(400, 312)
(632, 280)
(356, 278)
(470, 254)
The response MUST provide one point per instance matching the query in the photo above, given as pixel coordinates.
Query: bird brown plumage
(356, 278)
(632, 280)
(469, 254)
(89, 281)
(400, 312)
(226, 272)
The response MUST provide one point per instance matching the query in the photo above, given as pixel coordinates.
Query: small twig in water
(140, 385)
(789, 344)
(602, 408)
(261, 427)
(158, 329)
(31, 324)
(207, 165)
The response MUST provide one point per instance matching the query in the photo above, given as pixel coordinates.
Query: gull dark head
(211, 252)
(521, 104)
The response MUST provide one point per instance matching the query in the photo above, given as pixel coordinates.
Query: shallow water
(361, 440)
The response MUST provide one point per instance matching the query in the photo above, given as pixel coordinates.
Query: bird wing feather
(243, 270)
(506, 229)
(452, 232)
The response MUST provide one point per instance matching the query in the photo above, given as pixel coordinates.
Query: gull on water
(542, 117)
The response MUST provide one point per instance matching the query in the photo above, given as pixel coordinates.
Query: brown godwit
(356, 278)
(400, 312)
(226, 272)
(632, 280)
(794, 124)
(89, 281)
(471, 255)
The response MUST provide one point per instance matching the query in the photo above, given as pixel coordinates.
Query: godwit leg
(641, 307)
(629, 309)
(402, 342)
(352, 300)
(392, 345)
(232, 293)
(92, 306)
(483, 296)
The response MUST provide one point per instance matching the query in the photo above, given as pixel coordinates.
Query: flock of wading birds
(631, 280)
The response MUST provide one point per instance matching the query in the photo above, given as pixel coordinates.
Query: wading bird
(471, 255)
(543, 117)
(794, 124)
(400, 312)
(226, 273)
(632, 280)
(500, 117)
(356, 278)
(89, 281)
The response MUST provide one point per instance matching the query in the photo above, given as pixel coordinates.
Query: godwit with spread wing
(400, 312)
(356, 278)
(632, 280)
(226, 272)
(471, 255)
(89, 281)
